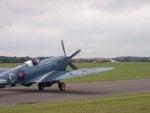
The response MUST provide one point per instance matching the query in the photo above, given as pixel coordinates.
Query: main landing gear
(61, 85)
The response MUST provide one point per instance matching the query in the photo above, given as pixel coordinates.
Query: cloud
(100, 28)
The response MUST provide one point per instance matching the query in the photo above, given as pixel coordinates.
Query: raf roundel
(20, 75)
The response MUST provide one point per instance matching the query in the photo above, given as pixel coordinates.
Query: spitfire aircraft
(45, 72)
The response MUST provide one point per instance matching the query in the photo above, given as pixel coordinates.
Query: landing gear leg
(61, 86)
(41, 87)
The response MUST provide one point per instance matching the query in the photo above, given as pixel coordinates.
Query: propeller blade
(63, 47)
(75, 53)
(72, 66)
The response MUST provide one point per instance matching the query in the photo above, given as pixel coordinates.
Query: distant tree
(132, 59)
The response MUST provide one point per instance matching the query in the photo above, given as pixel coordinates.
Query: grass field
(8, 65)
(122, 71)
(139, 103)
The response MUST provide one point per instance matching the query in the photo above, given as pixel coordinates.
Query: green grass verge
(122, 71)
(8, 65)
(139, 103)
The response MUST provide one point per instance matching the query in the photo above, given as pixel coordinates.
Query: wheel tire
(61, 86)
(41, 87)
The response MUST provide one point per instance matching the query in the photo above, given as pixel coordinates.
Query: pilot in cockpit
(32, 62)
(35, 61)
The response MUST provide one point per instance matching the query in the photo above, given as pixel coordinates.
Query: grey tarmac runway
(23, 95)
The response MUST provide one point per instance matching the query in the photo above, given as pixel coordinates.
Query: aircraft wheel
(61, 86)
(40, 86)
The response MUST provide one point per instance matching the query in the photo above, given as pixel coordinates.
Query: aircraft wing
(3, 81)
(59, 75)
(77, 73)
(2, 70)
(42, 78)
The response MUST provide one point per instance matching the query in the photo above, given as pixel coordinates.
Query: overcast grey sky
(100, 28)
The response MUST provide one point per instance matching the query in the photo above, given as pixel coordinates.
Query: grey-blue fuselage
(44, 66)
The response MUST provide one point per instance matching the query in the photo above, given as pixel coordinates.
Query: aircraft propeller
(63, 47)
(70, 57)
(75, 53)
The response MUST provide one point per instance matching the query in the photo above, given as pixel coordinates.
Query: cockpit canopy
(33, 62)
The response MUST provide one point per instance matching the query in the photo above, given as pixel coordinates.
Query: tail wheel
(2, 86)
(41, 87)
(61, 86)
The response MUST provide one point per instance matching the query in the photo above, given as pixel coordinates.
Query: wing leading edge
(3, 81)
(76, 73)
(2, 70)
(56, 75)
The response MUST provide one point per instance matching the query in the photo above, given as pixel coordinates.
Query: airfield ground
(137, 103)
(126, 89)
(76, 91)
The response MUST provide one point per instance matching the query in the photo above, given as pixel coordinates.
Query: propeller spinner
(70, 57)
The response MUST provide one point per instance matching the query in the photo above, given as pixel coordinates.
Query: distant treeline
(132, 59)
(6, 59)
